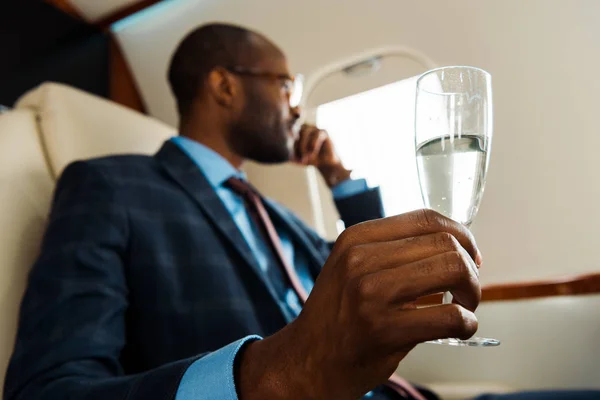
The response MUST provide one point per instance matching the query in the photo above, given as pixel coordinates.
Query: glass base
(473, 342)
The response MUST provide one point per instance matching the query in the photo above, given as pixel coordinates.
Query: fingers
(315, 146)
(369, 258)
(416, 223)
(453, 271)
(309, 144)
(302, 143)
(419, 325)
(378, 273)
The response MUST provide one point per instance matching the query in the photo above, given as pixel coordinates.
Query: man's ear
(222, 86)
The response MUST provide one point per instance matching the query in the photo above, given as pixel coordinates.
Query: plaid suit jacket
(141, 271)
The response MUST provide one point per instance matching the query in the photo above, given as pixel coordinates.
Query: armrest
(548, 342)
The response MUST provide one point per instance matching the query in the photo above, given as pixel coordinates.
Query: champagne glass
(453, 138)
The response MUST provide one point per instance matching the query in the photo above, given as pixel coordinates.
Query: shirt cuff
(349, 187)
(211, 377)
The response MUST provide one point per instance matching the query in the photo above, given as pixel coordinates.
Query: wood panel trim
(123, 89)
(576, 285)
(66, 7)
(125, 12)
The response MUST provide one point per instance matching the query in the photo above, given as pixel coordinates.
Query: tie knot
(240, 187)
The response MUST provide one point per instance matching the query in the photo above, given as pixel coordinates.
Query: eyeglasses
(292, 85)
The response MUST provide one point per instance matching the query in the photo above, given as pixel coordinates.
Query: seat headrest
(76, 125)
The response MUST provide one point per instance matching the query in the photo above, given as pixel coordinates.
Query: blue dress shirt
(216, 369)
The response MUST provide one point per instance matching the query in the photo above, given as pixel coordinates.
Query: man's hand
(314, 147)
(360, 320)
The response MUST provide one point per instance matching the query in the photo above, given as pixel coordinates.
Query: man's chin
(279, 157)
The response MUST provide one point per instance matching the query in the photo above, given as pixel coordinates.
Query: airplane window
(374, 134)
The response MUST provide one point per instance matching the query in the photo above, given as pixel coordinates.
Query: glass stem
(447, 298)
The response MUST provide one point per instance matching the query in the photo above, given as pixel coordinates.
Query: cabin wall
(538, 218)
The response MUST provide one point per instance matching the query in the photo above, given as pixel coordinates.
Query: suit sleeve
(72, 319)
(358, 203)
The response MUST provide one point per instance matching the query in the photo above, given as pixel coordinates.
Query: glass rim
(424, 74)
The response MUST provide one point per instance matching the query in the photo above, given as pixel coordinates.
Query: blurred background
(538, 220)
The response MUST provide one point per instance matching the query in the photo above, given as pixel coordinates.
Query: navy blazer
(141, 271)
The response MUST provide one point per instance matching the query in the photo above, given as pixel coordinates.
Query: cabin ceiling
(101, 13)
(94, 10)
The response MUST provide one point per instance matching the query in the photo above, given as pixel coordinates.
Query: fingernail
(478, 258)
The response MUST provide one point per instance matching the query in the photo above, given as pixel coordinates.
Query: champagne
(452, 171)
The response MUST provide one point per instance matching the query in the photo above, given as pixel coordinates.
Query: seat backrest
(50, 127)
(25, 192)
(77, 125)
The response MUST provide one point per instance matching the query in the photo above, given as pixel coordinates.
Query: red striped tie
(261, 218)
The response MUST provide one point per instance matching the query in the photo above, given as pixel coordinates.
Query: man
(168, 277)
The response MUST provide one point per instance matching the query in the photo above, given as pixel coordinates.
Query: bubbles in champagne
(452, 173)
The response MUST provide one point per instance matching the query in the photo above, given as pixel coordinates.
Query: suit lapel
(183, 170)
(278, 212)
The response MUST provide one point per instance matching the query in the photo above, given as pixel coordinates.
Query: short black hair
(203, 49)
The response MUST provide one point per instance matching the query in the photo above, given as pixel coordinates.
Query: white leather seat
(77, 125)
(51, 126)
(25, 191)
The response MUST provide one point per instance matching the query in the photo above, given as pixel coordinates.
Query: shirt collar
(214, 166)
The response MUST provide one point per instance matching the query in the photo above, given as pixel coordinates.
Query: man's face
(264, 130)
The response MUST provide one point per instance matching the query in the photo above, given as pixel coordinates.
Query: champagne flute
(453, 138)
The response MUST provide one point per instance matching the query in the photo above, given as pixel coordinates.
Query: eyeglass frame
(295, 81)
